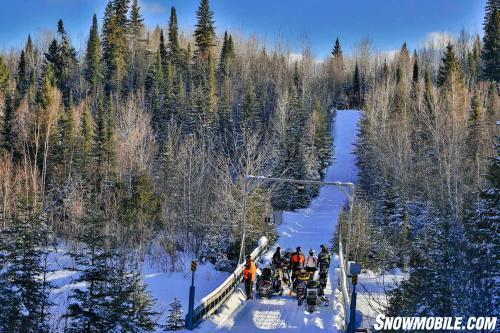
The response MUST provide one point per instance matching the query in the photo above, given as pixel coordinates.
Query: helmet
(311, 252)
(323, 246)
(247, 257)
(299, 249)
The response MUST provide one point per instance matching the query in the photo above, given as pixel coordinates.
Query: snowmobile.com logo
(435, 323)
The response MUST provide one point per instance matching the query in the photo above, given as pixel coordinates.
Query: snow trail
(307, 228)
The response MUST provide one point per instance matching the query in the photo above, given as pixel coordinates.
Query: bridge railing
(211, 303)
(344, 285)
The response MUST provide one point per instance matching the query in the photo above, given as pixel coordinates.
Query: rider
(277, 257)
(302, 275)
(249, 273)
(296, 264)
(324, 259)
(297, 261)
(311, 263)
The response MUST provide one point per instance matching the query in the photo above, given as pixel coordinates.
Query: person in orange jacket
(249, 274)
(297, 262)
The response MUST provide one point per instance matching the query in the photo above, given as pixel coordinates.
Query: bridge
(225, 308)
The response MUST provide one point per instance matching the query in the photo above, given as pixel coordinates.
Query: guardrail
(210, 303)
(344, 285)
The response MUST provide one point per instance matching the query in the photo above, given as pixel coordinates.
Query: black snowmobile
(313, 296)
(269, 283)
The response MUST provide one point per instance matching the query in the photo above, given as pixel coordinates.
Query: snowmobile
(282, 268)
(313, 296)
(300, 283)
(269, 283)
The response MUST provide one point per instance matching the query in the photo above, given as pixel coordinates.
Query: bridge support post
(352, 319)
(189, 319)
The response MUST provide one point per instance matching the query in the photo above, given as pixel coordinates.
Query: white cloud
(293, 57)
(437, 39)
(154, 8)
(390, 54)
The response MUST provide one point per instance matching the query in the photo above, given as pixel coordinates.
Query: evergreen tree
(475, 130)
(322, 140)
(204, 33)
(104, 140)
(87, 137)
(175, 319)
(484, 243)
(136, 23)
(337, 50)
(211, 93)
(224, 107)
(404, 56)
(416, 71)
(385, 72)
(163, 53)
(155, 89)
(22, 79)
(429, 92)
(173, 38)
(356, 88)
(8, 134)
(226, 57)
(31, 54)
(53, 55)
(24, 289)
(448, 70)
(4, 75)
(93, 66)
(114, 300)
(121, 8)
(137, 58)
(142, 208)
(111, 134)
(114, 44)
(474, 61)
(491, 41)
(252, 118)
(66, 69)
(291, 160)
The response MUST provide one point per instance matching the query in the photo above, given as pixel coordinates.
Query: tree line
(134, 152)
(428, 157)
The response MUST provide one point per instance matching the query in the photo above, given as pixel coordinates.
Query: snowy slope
(372, 296)
(308, 228)
(162, 286)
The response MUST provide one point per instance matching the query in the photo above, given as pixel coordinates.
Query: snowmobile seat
(267, 274)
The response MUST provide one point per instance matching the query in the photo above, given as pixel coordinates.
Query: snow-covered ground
(372, 297)
(163, 286)
(307, 228)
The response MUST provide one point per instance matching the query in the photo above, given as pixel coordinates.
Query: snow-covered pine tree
(24, 289)
(114, 299)
(131, 305)
(175, 319)
(449, 68)
(491, 50)
(484, 242)
(355, 92)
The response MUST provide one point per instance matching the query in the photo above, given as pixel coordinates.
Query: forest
(428, 202)
(135, 150)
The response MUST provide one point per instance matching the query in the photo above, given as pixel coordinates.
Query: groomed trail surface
(307, 228)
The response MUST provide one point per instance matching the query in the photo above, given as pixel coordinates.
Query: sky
(387, 23)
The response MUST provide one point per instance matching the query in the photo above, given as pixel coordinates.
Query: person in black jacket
(324, 259)
(277, 257)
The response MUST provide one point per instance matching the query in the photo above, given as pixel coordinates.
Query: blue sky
(386, 22)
